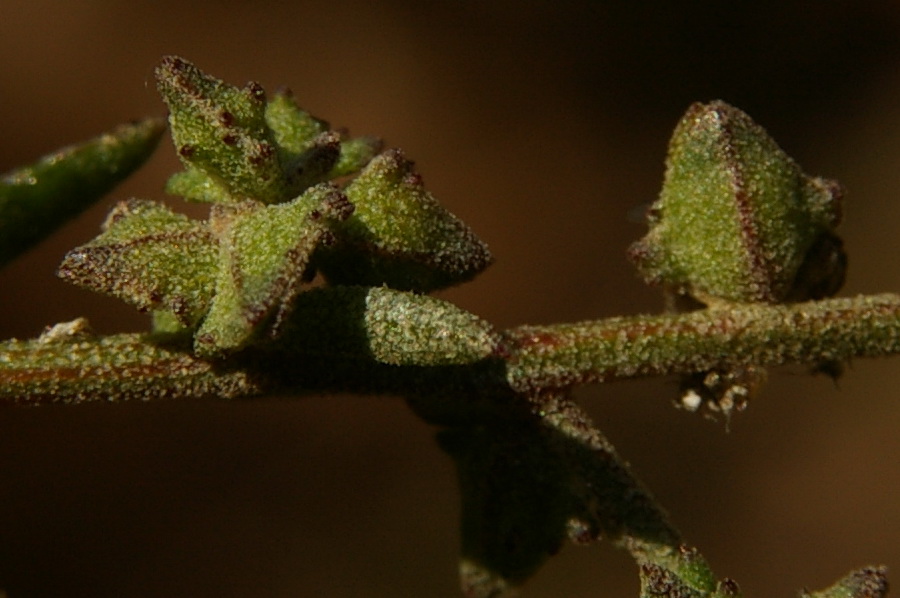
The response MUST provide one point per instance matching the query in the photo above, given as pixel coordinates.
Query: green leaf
(294, 129)
(309, 151)
(37, 199)
(264, 255)
(195, 185)
(516, 502)
(151, 258)
(659, 582)
(355, 154)
(393, 327)
(400, 235)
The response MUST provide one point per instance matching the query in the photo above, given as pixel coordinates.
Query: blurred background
(543, 125)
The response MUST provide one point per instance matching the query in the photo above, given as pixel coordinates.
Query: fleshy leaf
(37, 199)
(516, 503)
(400, 235)
(309, 151)
(394, 327)
(737, 219)
(265, 251)
(221, 131)
(315, 163)
(294, 129)
(355, 154)
(151, 258)
(195, 185)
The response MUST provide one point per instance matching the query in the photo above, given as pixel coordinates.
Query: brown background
(542, 124)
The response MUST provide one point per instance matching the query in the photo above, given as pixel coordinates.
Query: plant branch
(564, 355)
(81, 367)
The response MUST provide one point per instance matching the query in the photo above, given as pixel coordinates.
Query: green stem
(111, 368)
(533, 357)
(560, 356)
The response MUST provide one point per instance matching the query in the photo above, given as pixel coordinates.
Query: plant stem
(560, 356)
(128, 366)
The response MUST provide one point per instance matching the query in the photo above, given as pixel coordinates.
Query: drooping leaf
(516, 503)
(37, 199)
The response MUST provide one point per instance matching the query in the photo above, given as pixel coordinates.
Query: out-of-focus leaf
(868, 582)
(37, 199)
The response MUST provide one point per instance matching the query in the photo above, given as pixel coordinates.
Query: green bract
(151, 258)
(264, 255)
(737, 220)
(400, 235)
(221, 132)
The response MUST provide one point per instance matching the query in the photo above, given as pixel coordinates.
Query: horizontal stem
(543, 357)
(134, 366)
(111, 368)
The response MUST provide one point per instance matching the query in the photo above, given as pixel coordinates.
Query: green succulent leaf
(355, 154)
(737, 220)
(37, 199)
(400, 235)
(151, 258)
(393, 327)
(295, 130)
(195, 185)
(264, 254)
